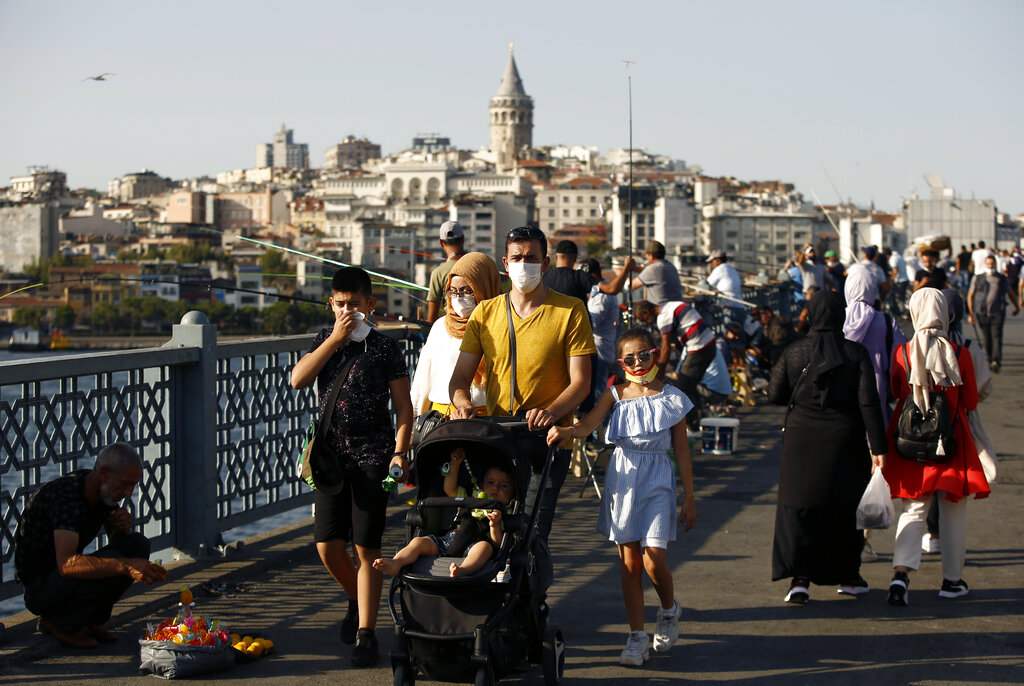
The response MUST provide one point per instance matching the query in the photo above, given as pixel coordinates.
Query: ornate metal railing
(201, 477)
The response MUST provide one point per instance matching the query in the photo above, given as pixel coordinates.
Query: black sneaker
(350, 624)
(953, 589)
(798, 594)
(366, 653)
(899, 589)
(856, 587)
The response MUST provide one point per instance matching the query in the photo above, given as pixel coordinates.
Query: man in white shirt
(726, 280)
(978, 258)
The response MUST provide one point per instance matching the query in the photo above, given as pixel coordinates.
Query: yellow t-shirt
(558, 330)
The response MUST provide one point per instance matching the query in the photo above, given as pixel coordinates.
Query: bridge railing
(218, 427)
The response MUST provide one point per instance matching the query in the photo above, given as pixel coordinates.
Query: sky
(847, 100)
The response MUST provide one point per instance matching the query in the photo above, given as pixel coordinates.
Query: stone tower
(511, 117)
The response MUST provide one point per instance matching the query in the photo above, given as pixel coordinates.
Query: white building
(965, 221)
(661, 213)
(583, 200)
(28, 233)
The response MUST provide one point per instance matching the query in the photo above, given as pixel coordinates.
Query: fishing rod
(23, 288)
(209, 288)
(411, 252)
(717, 294)
(318, 258)
(629, 215)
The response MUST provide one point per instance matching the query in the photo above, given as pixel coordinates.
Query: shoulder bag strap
(792, 397)
(332, 398)
(512, 354)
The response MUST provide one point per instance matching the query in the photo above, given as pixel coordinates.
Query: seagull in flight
(98, 77)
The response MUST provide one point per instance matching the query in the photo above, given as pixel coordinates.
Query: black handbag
(318, 465)
(927, 437)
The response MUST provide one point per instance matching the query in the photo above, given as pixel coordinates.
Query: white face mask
(463, 305)
(525, 276)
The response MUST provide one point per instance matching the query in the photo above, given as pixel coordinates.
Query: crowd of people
(548, 345)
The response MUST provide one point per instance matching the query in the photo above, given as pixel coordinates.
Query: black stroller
(482, 626)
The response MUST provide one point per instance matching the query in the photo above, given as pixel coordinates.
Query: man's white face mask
(525, 276)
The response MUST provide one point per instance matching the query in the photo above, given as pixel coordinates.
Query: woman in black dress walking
(829, 385)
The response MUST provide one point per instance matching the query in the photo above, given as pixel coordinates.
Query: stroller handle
(473, 503)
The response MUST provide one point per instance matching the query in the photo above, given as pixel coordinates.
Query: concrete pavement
(734, 629)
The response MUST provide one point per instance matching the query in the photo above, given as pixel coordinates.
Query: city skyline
(846, 102)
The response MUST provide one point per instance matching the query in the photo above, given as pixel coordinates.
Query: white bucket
(719, 435)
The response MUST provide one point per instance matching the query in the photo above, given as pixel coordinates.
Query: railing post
(194, 389)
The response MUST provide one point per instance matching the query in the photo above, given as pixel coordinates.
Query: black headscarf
(955, 307)
(827, 314)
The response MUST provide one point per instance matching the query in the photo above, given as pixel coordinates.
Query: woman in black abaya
(829, 385)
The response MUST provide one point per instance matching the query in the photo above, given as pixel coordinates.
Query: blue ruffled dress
(640, 487)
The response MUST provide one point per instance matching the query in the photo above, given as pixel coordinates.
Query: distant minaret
(511, 116)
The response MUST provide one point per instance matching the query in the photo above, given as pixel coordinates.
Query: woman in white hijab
(930, 362)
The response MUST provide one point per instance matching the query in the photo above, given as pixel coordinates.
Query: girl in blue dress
(638, 511)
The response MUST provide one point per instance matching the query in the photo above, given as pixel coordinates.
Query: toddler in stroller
(477, 533)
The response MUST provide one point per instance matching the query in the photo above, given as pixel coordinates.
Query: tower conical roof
(511, 84)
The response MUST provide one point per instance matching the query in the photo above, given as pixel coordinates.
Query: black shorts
(356, 514)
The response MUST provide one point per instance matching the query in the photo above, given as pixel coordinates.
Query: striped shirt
(690, 329)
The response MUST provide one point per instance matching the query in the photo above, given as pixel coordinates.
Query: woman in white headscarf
(930, 362)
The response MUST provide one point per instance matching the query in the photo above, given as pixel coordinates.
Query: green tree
(595, 247)
(129, 311)
(273, 262)
(276, 318)
(104, 317)
(245, 318)
(27, 316)
(64, 317)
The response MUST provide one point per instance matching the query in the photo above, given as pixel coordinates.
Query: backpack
(927, 437)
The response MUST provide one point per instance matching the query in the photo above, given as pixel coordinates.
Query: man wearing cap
(726, 280)
(835, 269)
(812, 270)
(568, 280)
(659, 276)
(453, 241)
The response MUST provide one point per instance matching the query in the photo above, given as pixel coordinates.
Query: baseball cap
(716, 255)
(830, 253)
(450, 231)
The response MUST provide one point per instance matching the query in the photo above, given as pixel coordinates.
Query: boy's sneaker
(668, 627)
(637, 650)
(856, 587)
(798, 594)
(868, 554)
(350, 624)
(930, 544)
(899, 589)
(366, 653)
(953, 589)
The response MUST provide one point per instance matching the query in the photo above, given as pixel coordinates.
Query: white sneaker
(931, 544)
(668, 627)
(637, 650)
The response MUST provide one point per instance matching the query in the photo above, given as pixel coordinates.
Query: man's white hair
(117, 456)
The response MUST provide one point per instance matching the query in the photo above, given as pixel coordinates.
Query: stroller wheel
(404, 675)
(554, 656)
(484, 676)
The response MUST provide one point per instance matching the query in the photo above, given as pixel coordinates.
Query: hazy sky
(874, 93)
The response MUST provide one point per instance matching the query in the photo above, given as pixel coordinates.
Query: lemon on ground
(256, 650)
(240, 646)
(235, 638)
(247, 639)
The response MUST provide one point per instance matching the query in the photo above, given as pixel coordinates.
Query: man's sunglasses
(644, 356)
(531, 232)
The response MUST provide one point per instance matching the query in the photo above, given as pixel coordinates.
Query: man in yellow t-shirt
(553, 347)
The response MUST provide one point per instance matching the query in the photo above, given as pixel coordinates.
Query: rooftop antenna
(629, 212)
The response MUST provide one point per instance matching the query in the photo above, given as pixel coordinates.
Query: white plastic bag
(876, 510)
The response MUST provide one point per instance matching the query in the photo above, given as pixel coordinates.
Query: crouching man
(72, 593)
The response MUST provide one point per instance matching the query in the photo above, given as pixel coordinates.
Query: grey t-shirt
(662, 282)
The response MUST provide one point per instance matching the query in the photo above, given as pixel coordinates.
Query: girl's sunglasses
(644, 356)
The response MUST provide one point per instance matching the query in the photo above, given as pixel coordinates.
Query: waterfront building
(582, 200)
(661, 211)
(760, 225)
(511, 117)
(28, 233)
(351, 152)
(964, 220)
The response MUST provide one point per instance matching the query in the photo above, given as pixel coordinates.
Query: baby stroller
(482, 626)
